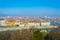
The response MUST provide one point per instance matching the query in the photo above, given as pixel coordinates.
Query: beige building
(32, 24)
(21, 25)
(37, 24)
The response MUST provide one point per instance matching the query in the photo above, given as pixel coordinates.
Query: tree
(12, 23)
(53, 35)
(5, 35)
(37, 35)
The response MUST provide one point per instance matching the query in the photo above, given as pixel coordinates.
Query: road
(20, 28)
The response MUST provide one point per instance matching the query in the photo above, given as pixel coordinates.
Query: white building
(2, 22)
(45, 23)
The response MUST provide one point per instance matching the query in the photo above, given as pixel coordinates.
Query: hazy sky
(30, 8)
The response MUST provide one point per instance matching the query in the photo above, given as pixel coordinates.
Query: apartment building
(2, 22)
